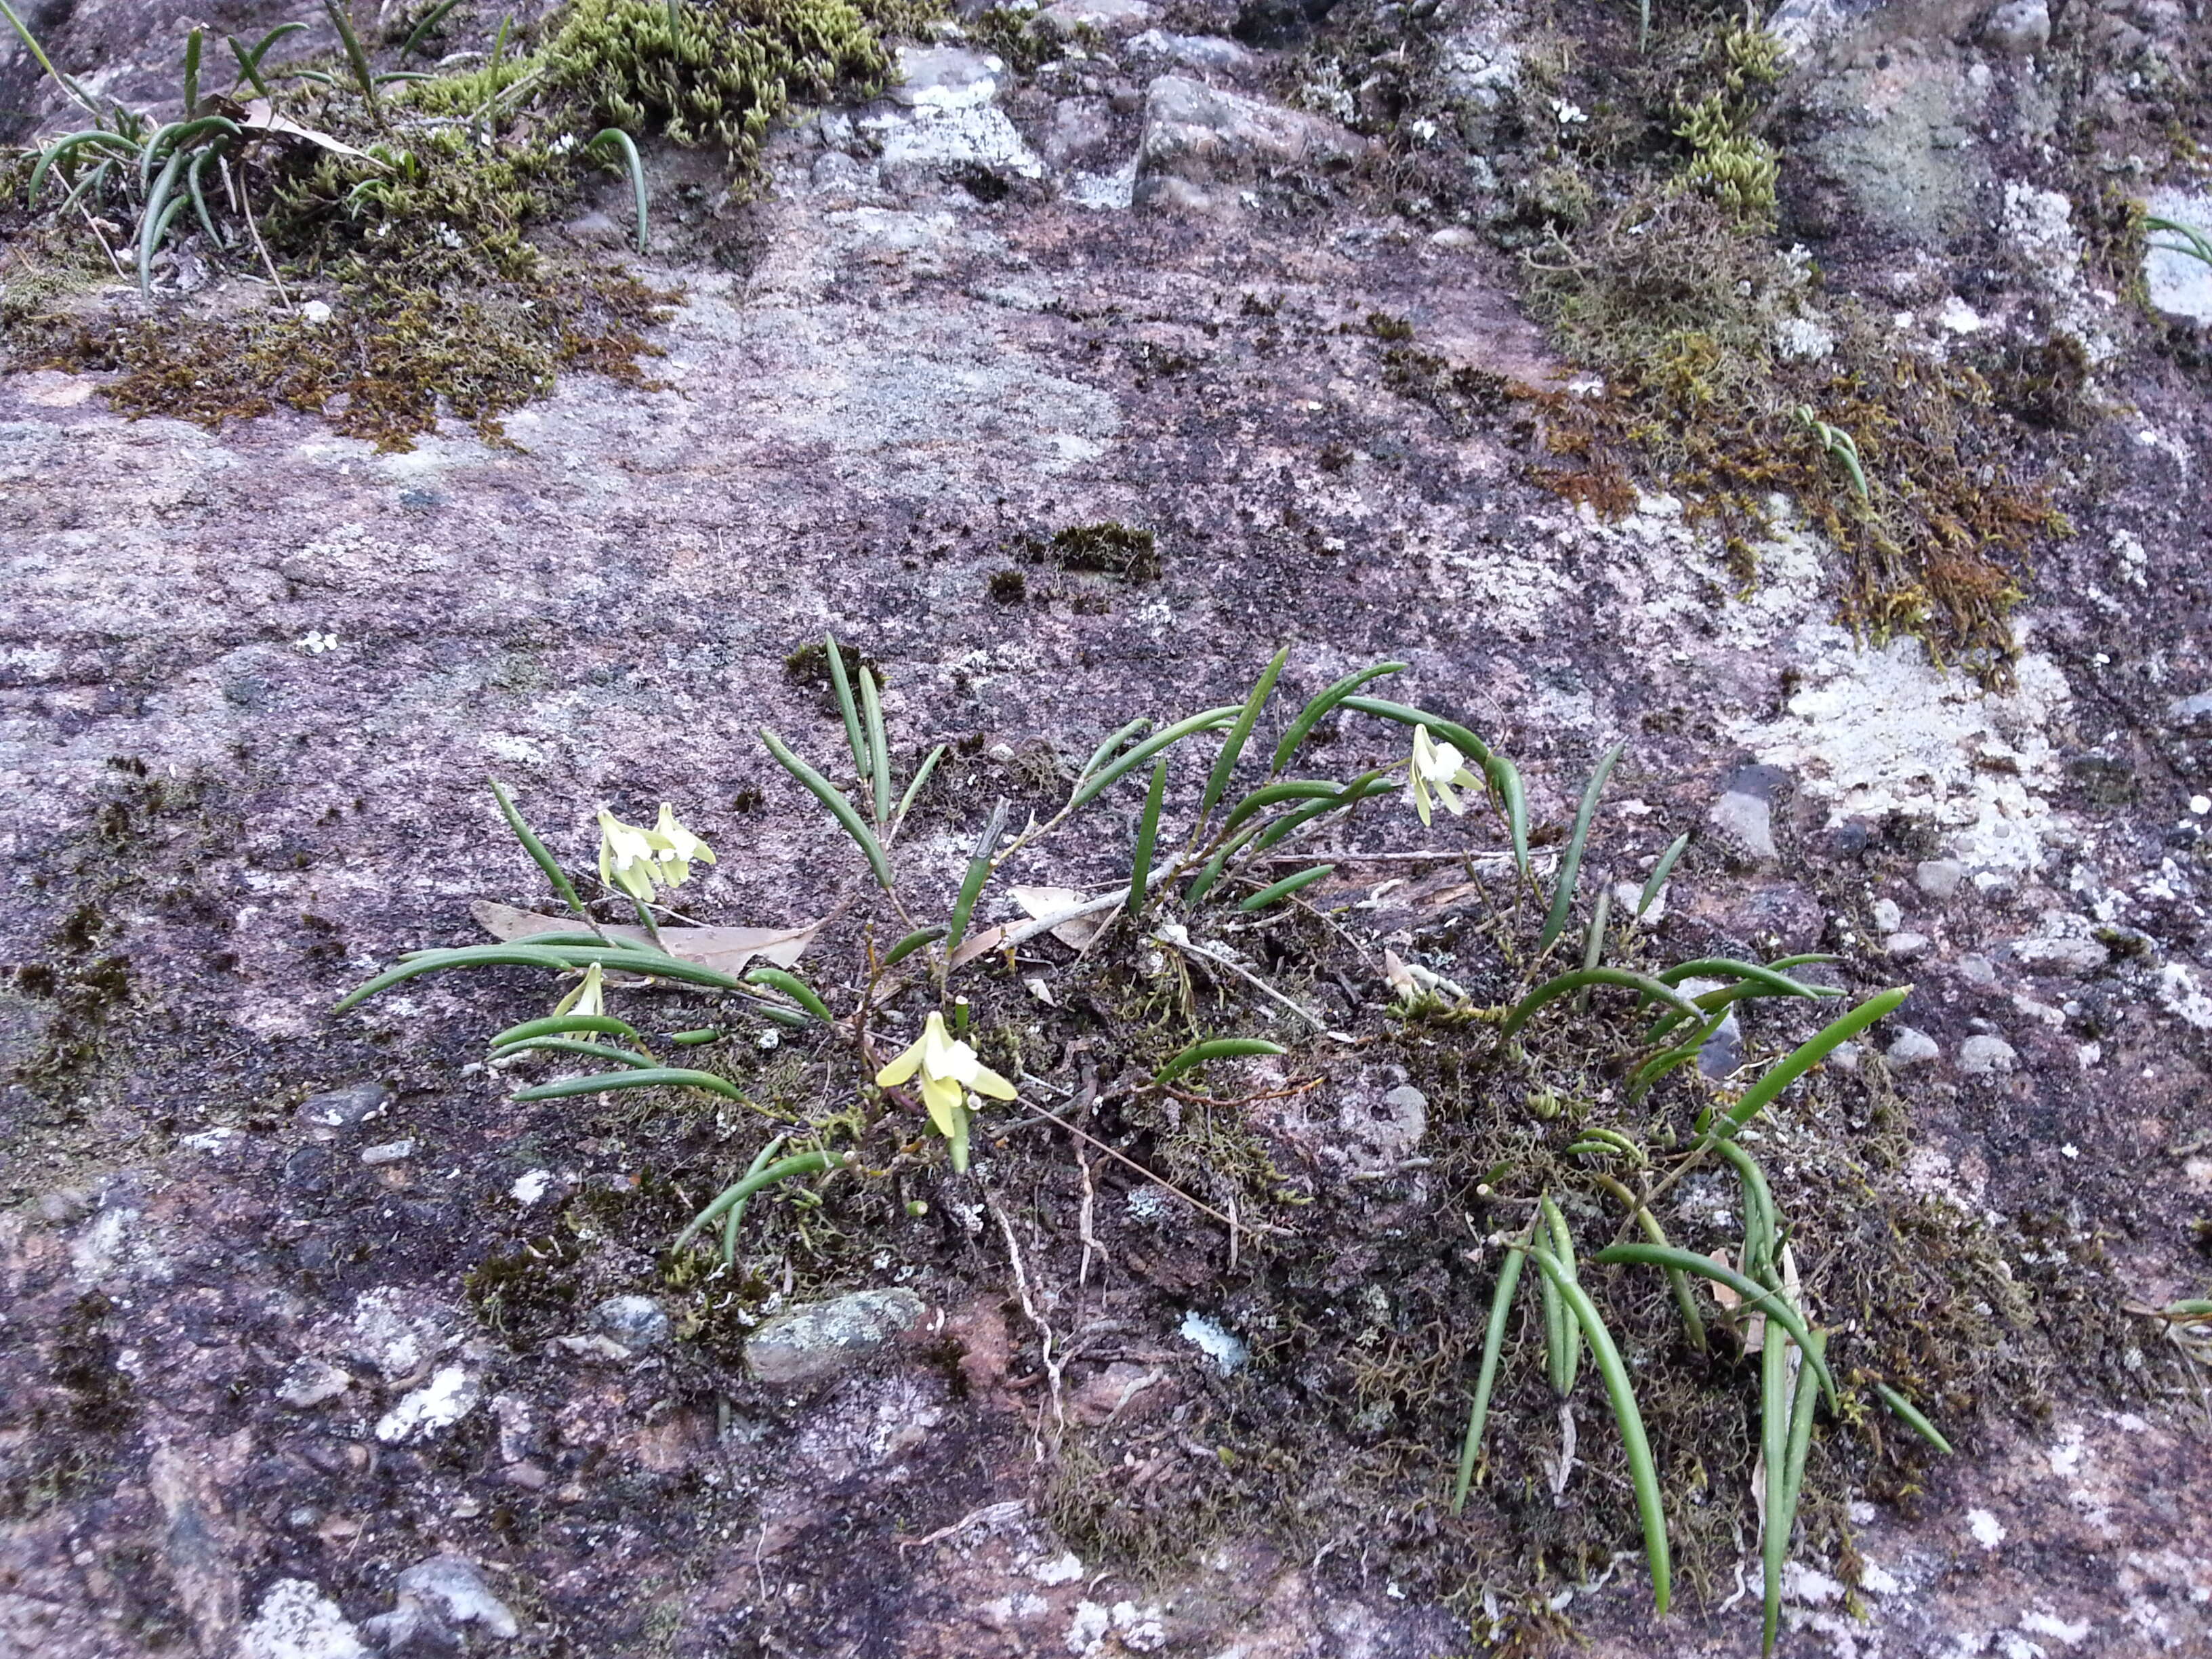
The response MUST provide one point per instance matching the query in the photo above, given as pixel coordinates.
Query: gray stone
(1887, 917)
(1201, 147)
(1746, 823)
(410, 1631)
(945, 77)
(2180, 285)
(1066, 18)
(1213, 52)
(2019, 29)
(1846, 1056)
(1903, 947)
(389, 1152)
(635, 1322)
(1723, 1052)
(1381, 1129)
(1081, 127)
(1985, 1056)
(812, 1343)
(452, 1587)
(1938, 877)
(2189, 711)
(2065, 957)
(1977, 969)
(1769, 783)
(1913, 1047)
(310, 1382)
(345, 1108)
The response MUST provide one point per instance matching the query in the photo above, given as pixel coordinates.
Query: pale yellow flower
(949, 1069)
(588, 998)
(641, 861)
(1439, 768)
(678, 847)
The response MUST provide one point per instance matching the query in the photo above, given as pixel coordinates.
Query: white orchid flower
(588, 998)
(627, 857)
(949, 1071)
(678, 847)
(1437, 770)
(640, 861)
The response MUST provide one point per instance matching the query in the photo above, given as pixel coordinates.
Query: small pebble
(390, 1152)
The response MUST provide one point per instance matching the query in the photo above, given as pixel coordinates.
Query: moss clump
(1107, 548)
(1681, 306)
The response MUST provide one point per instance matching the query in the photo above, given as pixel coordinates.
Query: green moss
(1106, 549)
(441, 302)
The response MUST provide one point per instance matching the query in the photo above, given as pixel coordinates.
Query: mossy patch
(412, 220)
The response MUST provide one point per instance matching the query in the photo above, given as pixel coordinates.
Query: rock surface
(261, 1395)
(810, 1345)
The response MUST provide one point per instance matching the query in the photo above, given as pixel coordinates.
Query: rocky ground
(318, 1344)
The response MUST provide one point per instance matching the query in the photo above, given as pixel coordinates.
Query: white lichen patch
(298, 1622)
(450, 1395)
(2181, 995)
(1881, 731)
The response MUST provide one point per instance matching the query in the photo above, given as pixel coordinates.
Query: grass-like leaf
(1625, 978)
(1225, 763)
(1660, 872)
(913, 942)
(1099, 755)
(1148, 835)
(1685, 1304)
(191, 88)
(840, 808)
(536, 847)
(1642, 1473)
(1283, 889)
(565, 1045)
(734, 1216)
(1131, 758)
(555, 958)
(1215, 1049)
(1513, 800)
(921, 777)
(1594, 941)
(1909, 1414)
(431, 19)
(1571, 862)
(1317, 710)
(1774, 1472)
(1493, 1343)
(1275, 794)
(342, 20)
(1802, 1060)
(1757, 1299)
(778, 979)
(1796, 1450)
(567, 1025)
(1367, 783)
(626, 147)
(1761, 1230)
(67, 146)
(841, 685)
(1469, 746)
(1562, 1335)
(658, 1077)
(979, 871)
(799, 1163)
(879, 750)
(153, 221)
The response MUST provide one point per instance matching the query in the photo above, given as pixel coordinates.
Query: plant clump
(391, 215)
